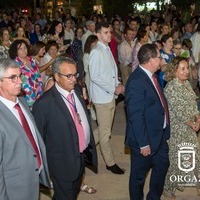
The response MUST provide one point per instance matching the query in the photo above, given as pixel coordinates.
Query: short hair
(141, 34)
(146, 52)
(172, 67)
(115, 20)
(187, 43)
(101, 25)
(165, 37)
(50, 44)
(127, 29)
(59, 61)
(176, 42)
(35, 48)
(14, 47)
(5, 64)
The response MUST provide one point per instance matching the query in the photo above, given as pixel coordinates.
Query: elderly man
(63, 121)
(90, 31)
(148, 125)
(22, 152)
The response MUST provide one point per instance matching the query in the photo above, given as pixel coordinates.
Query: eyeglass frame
(69, 76)
(14, 78)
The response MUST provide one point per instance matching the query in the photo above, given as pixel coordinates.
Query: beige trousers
(105, 114)
(125, 72)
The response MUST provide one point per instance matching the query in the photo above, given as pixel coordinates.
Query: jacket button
(35, 155)
(36, 170)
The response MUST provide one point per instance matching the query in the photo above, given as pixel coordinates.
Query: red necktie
(161, 96)
(28, 133)
(79, 127)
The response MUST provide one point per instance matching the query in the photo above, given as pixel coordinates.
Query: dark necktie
(28, 132)
(161, 96)
(77, 121)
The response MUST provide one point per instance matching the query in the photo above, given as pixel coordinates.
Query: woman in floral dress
(184, 120)
(32, 85)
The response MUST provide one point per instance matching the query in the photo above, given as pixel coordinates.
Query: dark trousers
(140, 166)
(68, 190)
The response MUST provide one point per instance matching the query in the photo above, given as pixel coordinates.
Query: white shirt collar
(9, 104)
(65, 93)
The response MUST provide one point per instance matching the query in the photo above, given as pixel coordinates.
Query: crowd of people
(72, 69)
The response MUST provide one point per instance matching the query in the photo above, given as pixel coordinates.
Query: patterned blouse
(32, 82)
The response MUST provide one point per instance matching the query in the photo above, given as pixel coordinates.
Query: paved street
(115, 187)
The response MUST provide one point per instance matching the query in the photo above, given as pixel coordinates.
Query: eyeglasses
(14, 78)
(69, 76)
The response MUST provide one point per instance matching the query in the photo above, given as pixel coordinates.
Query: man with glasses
(23, 161)
(147, 126)
(62, 119)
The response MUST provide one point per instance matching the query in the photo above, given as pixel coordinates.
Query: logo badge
(186, 157)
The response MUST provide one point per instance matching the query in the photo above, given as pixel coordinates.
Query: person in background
(56, 33)
(23, 163)
(51, 49)
(5, 43)
(68, 139)
(125, 50)
(36, 35)
(175, 34)
(166, 54)
(32, 85)
(147, 134)
(20, 35)
(177, 46)
(184, 118)
(141, 39)
(153, 33)
(77, 51)
(187, 34)
(186, 48)
(164, 30)
(38, 52)
(195, 45)
(89, 45)
(116, 38)
(90, 31)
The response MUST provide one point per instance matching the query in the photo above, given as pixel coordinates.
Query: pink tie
(79, 127)
(160, 94)
(28, 132)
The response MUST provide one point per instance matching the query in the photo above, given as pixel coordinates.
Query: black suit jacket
(145, 113)
(58, 130)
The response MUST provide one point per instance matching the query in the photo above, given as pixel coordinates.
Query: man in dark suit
(148, 126)
(63, 121)
(23, 163)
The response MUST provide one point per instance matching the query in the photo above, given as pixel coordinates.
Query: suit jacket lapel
(61, 104)
(14, 121)
(148, 80)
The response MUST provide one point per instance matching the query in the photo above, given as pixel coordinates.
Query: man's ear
(56, 77)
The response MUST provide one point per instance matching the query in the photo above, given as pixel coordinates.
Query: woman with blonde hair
(185, 123)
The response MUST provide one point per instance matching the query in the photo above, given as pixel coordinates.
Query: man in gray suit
(22, 152)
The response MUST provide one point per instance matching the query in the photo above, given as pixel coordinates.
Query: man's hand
(119, 89)
(146, 151)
